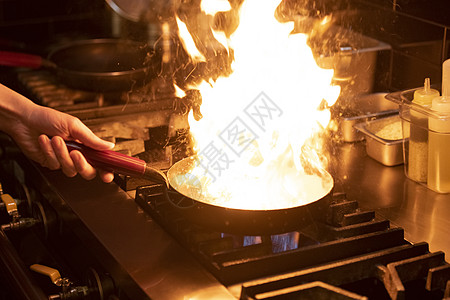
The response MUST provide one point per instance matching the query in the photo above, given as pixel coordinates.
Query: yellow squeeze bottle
(418, 139)
(439, 137)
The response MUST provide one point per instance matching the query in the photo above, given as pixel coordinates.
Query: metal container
(387, 151)
(353, 57)
(363, 108)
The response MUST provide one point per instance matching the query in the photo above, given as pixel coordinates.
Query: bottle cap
(446, 78)
(441, 104)
(426, 95)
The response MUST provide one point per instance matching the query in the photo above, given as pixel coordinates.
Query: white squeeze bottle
(418, 136)
(439, 137)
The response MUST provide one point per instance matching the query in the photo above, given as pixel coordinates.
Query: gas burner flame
(259, 142)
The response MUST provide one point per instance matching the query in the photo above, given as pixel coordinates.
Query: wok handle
(16, 59)
(110, 161)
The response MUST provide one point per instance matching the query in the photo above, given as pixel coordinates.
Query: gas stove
(140, 248)
(124, 240)
(352, 255)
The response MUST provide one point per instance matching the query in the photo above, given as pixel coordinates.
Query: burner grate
(351, 255)
(43, 87)
(344, 272)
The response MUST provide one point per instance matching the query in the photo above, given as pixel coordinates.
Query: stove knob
(22, 223)
(23, 197)
(100, 285)
(9, 204)
(68, 291)
(46, 219)
(51, 273)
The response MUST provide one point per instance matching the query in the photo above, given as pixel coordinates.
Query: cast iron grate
(352, 255)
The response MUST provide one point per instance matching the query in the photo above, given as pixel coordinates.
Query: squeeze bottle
(418, 139)
(439, 137)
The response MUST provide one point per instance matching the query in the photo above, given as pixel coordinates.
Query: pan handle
(110, 160)
(17, 59)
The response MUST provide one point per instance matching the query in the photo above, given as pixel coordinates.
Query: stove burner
(352, 255)
(44, 87)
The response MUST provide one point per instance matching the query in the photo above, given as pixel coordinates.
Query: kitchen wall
(31, 25)
(417, 30)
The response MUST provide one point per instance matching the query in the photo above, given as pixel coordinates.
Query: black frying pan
(101, 65)
(186, 197)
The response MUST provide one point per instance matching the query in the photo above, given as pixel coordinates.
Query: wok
(185, 197)
(101, 65)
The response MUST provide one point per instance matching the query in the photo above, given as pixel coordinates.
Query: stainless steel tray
(363, 108)
(387, 152)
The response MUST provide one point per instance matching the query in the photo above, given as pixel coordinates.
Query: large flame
(257, 142)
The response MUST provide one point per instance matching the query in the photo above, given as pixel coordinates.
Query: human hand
(30, 125)
(52, 153)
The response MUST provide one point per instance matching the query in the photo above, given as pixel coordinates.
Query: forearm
(14, 109)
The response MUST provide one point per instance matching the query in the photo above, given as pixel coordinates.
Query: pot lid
(143, 10)
(133, 10)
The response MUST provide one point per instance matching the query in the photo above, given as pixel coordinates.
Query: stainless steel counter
(148, 263)
(422, 213)
(144, 260)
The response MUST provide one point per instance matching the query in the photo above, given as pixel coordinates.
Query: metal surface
(387, 152)
(20, 280)
(335, 273)
(102, 64)
(422, 213)
(353, 57)
(152, 264)
(350, 112)
(95, 65)
(142, 10)
(132, 10)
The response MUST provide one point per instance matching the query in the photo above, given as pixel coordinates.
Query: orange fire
(257, 142)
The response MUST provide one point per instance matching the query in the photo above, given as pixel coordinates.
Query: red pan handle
(110, 161)
(16, 59)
